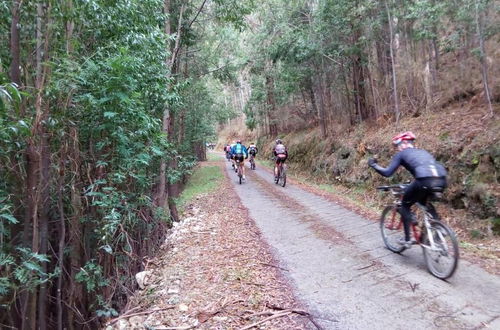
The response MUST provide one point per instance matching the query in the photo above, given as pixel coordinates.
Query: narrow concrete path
(342, 272)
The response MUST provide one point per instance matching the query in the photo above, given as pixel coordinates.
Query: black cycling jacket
(419, 162)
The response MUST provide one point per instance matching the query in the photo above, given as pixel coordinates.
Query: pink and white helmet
(406, 136)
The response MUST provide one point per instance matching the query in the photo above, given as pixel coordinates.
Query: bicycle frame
(397, 222)
(418, 229)
(438, 241)
(252, 161)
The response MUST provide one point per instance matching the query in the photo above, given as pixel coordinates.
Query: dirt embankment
(461, 137)
(214, 271)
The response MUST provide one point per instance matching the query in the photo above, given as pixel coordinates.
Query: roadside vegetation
(204, 179)
(106, 106)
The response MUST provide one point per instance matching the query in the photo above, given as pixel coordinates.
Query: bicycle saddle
(436, 193)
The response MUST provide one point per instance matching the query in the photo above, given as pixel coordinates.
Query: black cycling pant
(419, 191)
(281, 160)
(239, 157)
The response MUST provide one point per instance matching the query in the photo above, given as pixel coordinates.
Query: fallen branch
(262, 263)
(372, 264)
(300, 312)
(259, 314)
(274, 316)
(136, 314)
(282, 312)
(201, 232)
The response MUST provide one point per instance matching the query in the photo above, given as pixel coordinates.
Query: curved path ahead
(342, 272)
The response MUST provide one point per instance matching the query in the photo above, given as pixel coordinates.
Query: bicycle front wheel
(441, 250)
(392, 229)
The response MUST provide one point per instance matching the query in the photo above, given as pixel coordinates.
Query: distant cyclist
(281, 154)
(227, 150)
(240, 153)
(428, 173)
(253, 150)
(232, 158)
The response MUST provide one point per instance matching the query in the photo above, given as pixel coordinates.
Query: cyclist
(240, 152)
(281, 154)
(252, 150)
(233, 163)
(428, 174)
(227, 149)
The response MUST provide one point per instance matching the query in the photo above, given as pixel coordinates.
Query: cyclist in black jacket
(428, 174)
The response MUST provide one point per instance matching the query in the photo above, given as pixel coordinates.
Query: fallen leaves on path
(214, 271)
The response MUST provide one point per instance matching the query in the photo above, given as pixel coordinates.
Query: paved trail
(342, 272)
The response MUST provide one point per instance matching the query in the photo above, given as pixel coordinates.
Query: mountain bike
(281, 178)
(239, 170)
(439, 243)
(252, 162)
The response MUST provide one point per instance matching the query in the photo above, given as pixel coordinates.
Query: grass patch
(204, 180)
(213, 157)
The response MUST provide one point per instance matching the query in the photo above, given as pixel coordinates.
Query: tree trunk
(62, 238)
(172, 186)
(75, 296)
(484, 64)
(394, 82)
(322, 112)
(15, 70)
(329, 97)
(314, 107)
(44, 225)
(70, 26)
(160, 190)
(358, 80)
(271, 103)
(200, 151)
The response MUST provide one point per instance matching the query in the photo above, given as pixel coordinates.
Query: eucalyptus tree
(93, 94)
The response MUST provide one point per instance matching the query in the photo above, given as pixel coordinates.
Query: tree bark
(322, 112)
(62, 238)
(15, 70)
(271, 102)
(358, 80)
(312, 96)
(484, 64)
(70, 26)
(75, 294)
(394, 81)
(160, 190)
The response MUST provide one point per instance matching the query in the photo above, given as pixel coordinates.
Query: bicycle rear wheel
(283, 177)
(441, 256)
(240, 172)
(392, 229)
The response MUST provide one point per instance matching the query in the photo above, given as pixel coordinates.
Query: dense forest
(106, 105)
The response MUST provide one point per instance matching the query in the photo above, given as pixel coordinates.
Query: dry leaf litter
(214, 271)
